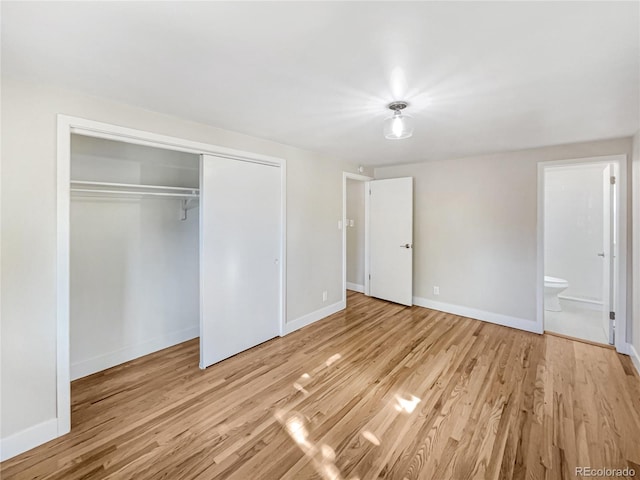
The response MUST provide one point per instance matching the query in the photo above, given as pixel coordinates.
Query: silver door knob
(601, 254)
(406, 245)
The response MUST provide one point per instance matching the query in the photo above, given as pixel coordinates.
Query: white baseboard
(623, 347)
(355, 287)
(312, 317)
(111, 359)
(582, 302)
(27, 439)
(491, 317)
(635, 357)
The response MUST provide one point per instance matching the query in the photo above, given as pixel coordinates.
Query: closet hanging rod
(129, 192)
(133, 185)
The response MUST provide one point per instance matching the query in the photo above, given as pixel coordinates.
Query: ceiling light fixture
(399, 125)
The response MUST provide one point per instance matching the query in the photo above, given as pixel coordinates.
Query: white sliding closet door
(240, 227)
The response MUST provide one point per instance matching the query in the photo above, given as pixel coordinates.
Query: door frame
(365, 179)
(620, 292)
(68, 125)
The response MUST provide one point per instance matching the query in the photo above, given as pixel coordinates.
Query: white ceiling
(480, 76)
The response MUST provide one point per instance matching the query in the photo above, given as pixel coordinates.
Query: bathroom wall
(574, 230)
(355, 235)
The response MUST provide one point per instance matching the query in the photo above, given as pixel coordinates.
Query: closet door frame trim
(68, 125)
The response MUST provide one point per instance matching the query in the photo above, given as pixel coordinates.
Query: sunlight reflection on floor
(371, 437)
(322, 456)
(332, 359)
(407, 405)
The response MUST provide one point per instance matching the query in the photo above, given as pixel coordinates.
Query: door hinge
(369, 191)
(369, 276)
(612, 315)
(612, 180)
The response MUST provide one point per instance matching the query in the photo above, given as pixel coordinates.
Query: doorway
(377, 257)
(355, 228)
(583, 249)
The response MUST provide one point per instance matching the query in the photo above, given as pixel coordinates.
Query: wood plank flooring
(377, 391)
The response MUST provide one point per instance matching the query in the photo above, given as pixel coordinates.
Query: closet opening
(134, 252)
(161, 240)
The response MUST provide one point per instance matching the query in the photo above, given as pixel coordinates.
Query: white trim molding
(355, 287)
(68, 125)
(635, 255)
(491, 317)
(314, 316)
(107, 131)
(111, 359)
(635, 357)
(28, 438)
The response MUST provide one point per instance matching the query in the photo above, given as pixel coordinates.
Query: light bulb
(397, 127)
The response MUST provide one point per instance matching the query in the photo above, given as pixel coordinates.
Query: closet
(166, 246)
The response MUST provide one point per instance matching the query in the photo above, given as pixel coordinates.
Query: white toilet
(552, 287)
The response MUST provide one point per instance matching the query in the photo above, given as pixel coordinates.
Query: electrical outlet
(436, 290)
(324, 296)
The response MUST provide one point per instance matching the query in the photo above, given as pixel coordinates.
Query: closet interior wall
(134, 262)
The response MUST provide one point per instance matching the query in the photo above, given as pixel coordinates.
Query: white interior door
(391, 239)
(240, 235)
(608, 252)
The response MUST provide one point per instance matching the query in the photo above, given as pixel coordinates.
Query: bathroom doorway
(583, 295)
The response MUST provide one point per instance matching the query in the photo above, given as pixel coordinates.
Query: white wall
(574, 229)
(355, 233)
(134, 263)
(28, 330)
(475, 226)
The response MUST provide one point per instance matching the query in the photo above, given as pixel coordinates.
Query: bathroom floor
(576, 321)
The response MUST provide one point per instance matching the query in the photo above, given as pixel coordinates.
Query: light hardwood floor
(377, 391)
